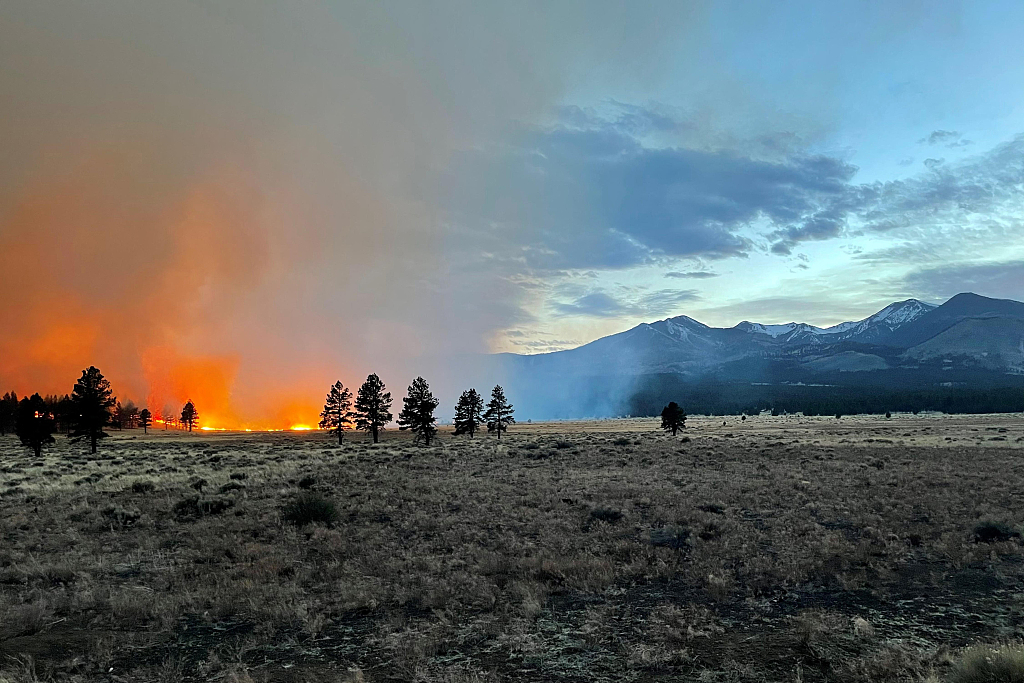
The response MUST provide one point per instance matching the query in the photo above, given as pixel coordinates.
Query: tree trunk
(92, 439)
(374, 431)
(341, 434)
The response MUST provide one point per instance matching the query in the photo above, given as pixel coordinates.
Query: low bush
(605, 515)
(670, 537)
(310, 508)
(994, 532)
(990, 664)
(198, 507)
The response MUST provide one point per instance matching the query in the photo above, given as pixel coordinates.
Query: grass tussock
(310, 508)
(990, 664)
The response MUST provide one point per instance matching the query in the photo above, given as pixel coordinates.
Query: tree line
(371, 411)
(82, 415)
(742, 398)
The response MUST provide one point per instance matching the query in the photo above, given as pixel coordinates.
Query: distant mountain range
(970, 340)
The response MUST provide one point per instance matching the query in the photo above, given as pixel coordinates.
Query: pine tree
(337, 414)
(33, 424)
(499, 412)
(418, 411)
(673, 418)
(8, 409)
(145, 419)
(130, 415)
(91, 400)
(189, 415)
(373, 407)
(468, 413)
(117, 419)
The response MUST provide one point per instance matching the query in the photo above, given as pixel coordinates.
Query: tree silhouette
(189, 415)
(468, 413)
(145, 419)
(33, 424)
(61, 410)
(373, 407)
(8, 409)
(673, 418)
(499, 412)
(337, 414)
(418, 411)
(91, 401)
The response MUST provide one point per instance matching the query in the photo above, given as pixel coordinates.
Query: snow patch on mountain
(886, 320)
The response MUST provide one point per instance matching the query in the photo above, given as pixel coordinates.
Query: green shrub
(990, 664)
(561, 445)
(310, 508)
(307, 482)
(621, 441)
(143, 487)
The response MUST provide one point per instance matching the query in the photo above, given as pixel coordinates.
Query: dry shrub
(678, 624)
(990, 664)
(816, 626)
(26, 619)
(310, 508)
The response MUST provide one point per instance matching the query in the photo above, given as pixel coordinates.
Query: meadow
(766, 549)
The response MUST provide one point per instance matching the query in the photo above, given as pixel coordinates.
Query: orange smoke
(206, 382)
(111, 260)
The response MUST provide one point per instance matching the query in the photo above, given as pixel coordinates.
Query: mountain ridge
(969, 340)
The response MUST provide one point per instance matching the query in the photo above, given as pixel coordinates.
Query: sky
(240, 202)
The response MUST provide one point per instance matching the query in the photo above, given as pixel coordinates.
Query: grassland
(771, 549)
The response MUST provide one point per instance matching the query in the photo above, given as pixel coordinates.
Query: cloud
(592, 191)
(947, 138)
(595, 305)
(589, 193)
(695, 274)
(819, 227)
(996, 279)
(815, 310)
(602, 305)
(940, 137)
(946, 199)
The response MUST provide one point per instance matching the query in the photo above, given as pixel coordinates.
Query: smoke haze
(234, 202)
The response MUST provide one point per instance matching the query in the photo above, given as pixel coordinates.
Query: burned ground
(759, 550)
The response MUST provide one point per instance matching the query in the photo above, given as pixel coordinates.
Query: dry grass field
(770, 549)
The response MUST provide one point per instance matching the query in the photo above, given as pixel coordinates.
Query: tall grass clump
(990, 664)
(310, 508)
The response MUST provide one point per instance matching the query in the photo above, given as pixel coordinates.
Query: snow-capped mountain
(886, 339)
(874, 328)
(969, 341)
